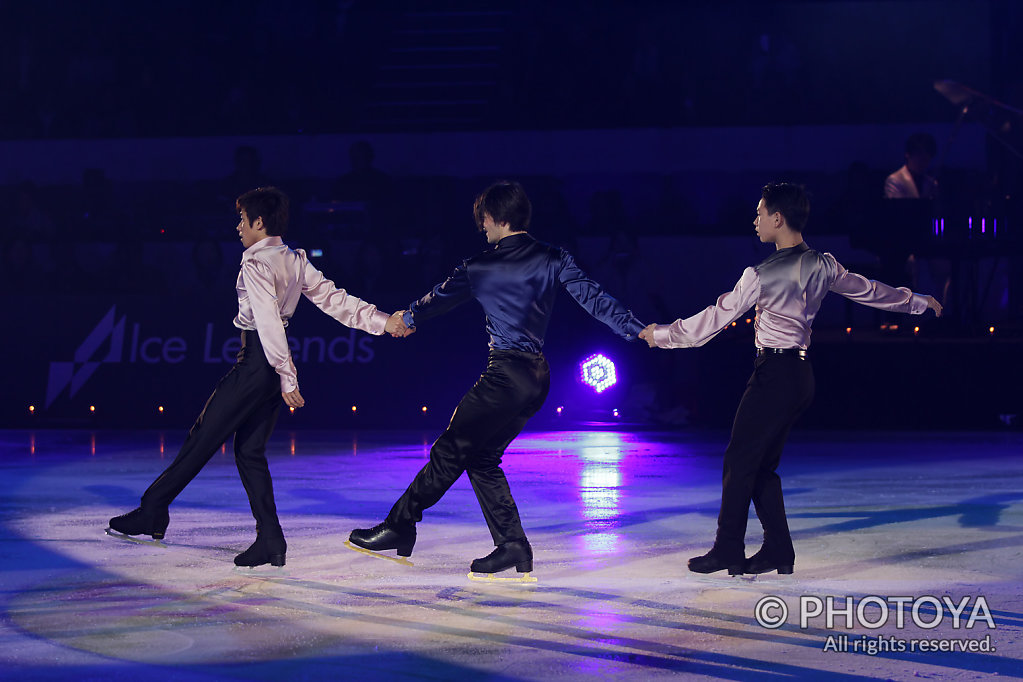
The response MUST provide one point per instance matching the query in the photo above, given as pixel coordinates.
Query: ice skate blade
(719, 578)
(262, 571)
(132, 539)
(493, 578)
(769, 577)
(377, 555)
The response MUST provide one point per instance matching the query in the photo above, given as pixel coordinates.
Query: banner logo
(87, 358)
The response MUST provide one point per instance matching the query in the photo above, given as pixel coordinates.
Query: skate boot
(265, 550)
(381, 537)
(140, 522)
(765, 562)
(515, 553)
(711, 563)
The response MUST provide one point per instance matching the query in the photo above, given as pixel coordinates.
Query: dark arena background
(643, 133)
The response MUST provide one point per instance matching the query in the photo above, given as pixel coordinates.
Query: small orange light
(560, 409)
(160, 408)
(31, 408)
(92, 408)
(990, 330)
(424, 408)
(355, 408)
(748, 320)
(916, 330)
(848, 330)
(894, 327)
(884, 327)
(734, 323)
(292, 410)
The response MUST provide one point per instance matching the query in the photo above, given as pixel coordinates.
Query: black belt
(798, 352)
(515, 353)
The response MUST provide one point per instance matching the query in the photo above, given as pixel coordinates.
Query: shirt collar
(781, 253)
(263, 244)
(514, 239)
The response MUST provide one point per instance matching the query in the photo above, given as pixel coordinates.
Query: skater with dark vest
(247, 400)
(515, 283)
(787, 289)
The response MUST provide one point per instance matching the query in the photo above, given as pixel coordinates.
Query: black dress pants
(245, 402)
(779, 390)
(487, 419)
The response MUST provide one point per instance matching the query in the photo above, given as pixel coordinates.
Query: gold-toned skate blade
(132, 539)
(377, 555)
(494, 578)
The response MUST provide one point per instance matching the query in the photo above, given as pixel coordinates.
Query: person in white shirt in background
(912, 181)
(787, 289)
(247, 400)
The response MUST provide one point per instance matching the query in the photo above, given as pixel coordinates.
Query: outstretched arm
(348, 310)
(450, 293)
(597, 302)
(878, 294)
(705, 325)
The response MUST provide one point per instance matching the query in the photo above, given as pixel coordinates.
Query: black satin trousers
(487, 419)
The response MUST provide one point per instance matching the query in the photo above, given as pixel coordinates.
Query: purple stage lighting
(598, 372)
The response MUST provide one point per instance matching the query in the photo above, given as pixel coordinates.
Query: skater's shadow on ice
(979, 512)
(653, 655)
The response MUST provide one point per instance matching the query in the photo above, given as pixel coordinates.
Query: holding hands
(648, 335)
(396, 326)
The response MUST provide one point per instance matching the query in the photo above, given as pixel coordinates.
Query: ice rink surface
(886, 526)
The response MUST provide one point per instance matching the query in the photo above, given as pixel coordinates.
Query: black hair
(268, 203)
(921, 143)
(790, 200)
(505, 202)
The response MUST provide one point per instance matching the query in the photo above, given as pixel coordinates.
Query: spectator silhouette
(208, 259)
(367, 185)
(27, 219)
(607, 213)
(911, 181)
(98, 216)
(247, 174)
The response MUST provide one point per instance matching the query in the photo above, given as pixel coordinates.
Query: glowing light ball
(598, 372)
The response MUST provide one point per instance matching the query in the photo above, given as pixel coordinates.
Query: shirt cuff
(378, 322)
(662, 333)
(289, 376)
(409, 319)
(918, 304)
(633, 329)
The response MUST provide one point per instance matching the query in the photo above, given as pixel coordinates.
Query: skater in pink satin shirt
(247, 400)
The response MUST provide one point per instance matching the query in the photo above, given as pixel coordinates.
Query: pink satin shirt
(271, 278)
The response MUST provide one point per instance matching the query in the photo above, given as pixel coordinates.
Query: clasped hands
(648, 335)
(396, 326)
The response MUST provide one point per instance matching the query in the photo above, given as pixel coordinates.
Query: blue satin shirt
(516, 282)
